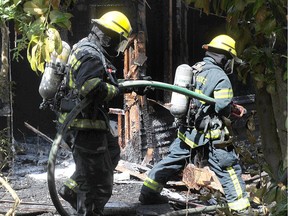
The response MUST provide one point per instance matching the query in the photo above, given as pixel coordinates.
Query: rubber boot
(151, 197)
(68, 195)
(86, 207)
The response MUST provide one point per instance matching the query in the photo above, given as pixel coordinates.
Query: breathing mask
(229, 66)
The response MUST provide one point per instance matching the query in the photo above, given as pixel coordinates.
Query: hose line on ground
(79, 107)
(193, 211)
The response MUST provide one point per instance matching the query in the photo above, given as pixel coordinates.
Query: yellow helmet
(223, 42)
(115, 21)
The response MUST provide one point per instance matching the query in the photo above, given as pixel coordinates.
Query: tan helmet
(222, 42)
(115, 21)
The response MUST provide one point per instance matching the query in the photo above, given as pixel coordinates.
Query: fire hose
(79, 107)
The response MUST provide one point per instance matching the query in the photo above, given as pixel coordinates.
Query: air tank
(179, 102)
(53, 73)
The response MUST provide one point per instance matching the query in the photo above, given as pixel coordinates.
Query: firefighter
(95, 151)
(206, 132)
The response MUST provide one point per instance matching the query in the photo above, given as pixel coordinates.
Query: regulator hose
(79, 107)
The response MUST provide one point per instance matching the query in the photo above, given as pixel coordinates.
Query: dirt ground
(29, 175)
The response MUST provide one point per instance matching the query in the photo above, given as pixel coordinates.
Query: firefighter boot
(68, 195)
(150, 197)
(86, 207)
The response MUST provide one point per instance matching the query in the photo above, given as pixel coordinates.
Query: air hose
(79, 107)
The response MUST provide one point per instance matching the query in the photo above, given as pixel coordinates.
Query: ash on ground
(28, 177)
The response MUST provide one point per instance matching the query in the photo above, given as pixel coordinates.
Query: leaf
(49, 45)
(257, 200)
(39, 57)
(281, 194)
(54, 40)
(41, 2)
(259, 77)
(46, 53)
(203, 4)
(60, 18)
(257, 5)
(268, 26)
(34, 40)
(271, 88)
(16, 2)
(65, 24)
(240, 5)
(58, 46)
(41, 67)
(55, 4)
(224, 4)
(33, 60)
(261, 14)
(34, 9)
(36, 27)
(270, 196)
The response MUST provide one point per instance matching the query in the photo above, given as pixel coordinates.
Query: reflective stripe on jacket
(213, 82)
(85, 123)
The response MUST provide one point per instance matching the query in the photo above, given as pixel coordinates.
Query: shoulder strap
(198, 67)
(94, 48)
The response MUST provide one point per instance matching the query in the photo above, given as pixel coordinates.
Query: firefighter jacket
(90, 74)
(212, 81)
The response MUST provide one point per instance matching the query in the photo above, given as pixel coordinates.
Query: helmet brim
(109, 26)
(236, 59)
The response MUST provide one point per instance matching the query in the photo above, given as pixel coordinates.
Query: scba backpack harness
(54, 87)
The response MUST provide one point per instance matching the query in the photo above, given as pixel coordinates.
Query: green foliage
(273, 193)
(35, 21)
(259, 28)
(5, 150)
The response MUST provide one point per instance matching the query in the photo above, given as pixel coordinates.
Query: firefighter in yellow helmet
(95, 150)
(203, 132)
